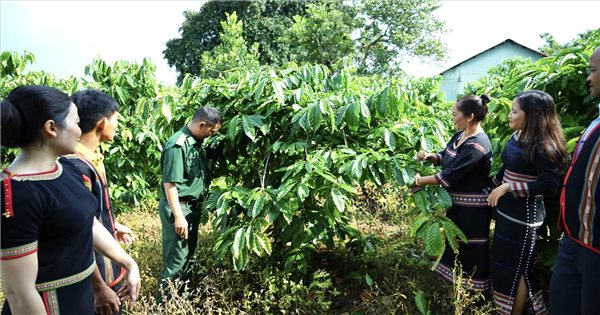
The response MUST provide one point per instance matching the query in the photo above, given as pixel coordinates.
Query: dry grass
(147, 248)
(399, 269)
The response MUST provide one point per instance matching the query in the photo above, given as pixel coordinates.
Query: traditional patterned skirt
(70, 295)
(471, 213)
(517, 222)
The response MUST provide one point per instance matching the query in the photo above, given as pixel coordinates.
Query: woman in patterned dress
(466, 163)
(532, 158)
(47, 223)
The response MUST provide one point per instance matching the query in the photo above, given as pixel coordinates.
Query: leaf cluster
(300, 141)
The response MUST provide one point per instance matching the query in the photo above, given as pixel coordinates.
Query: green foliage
(302, 143)
(215, 290)
(432, 225)
(264, 21)
(301, 140)
(398, 270)
(422, 303)
(12, 70)
(553, 47)
(392, 29)
(285, 293)
(373, 35)
(146, 109)
(12, 64)
(322, 36)
(232, 52)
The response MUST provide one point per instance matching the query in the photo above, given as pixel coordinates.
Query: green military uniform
(183, 162)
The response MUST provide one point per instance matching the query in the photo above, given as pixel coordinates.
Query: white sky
(65, 36)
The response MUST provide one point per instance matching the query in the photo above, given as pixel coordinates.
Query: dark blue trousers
(575, 283)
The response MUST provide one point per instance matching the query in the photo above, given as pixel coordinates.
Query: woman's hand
(421, 155)
(124, 234)
(416, 186)
(416, 182)
(426, 156)
(131, 290)
(498, 192)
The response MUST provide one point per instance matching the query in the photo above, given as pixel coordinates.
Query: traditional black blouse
(50, 213)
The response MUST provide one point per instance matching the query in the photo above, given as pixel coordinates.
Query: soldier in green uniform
(183, 167)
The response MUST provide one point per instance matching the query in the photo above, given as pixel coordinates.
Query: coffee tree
(301, 142)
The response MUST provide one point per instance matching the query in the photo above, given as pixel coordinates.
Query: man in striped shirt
(575, 283)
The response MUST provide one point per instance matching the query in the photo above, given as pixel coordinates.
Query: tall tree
(393, 29)
(263, 20)
(322, 36)
(375, 34)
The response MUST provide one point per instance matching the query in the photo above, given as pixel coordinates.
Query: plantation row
(301, 142)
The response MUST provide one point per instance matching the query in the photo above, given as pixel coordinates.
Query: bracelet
(417, 181)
